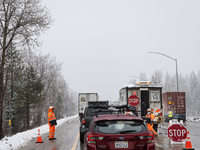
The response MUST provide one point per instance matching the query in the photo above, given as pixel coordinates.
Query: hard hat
(51, 107)
(148, 109)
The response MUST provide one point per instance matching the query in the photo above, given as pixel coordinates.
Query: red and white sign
(177, 132)
(133, 100)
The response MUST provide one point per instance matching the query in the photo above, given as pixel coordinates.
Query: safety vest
(170, 114)
(51, 116)
(152, 116)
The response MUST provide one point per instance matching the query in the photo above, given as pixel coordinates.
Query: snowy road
(162, 141)
(67, 134)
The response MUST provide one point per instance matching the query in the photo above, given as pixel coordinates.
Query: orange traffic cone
(39, 139)
(188, 144)
(168, 126)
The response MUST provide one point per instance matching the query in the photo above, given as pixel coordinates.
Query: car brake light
(128, 112)
(93, 138)
(149, 138)
(83, 120)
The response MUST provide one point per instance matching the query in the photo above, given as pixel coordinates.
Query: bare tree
(143, 76)
(169, 83)
(21, 22)
(157, 77)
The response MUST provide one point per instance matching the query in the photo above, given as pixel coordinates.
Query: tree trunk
(1, 109)
(2, 92)
(28, 116)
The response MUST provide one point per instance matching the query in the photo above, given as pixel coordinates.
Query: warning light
(144, 83)
(134, 93)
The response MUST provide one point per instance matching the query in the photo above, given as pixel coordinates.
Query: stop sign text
(177, 132)
(133, 100)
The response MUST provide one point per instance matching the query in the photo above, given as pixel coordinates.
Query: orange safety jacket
(151, 115)
(150, 125)
(51, 116)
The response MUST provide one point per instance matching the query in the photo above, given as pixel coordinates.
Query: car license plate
(121, 144)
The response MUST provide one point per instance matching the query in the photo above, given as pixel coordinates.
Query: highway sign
(177, 132)
(133, 100)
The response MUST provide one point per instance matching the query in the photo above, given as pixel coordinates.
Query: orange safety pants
(150, 127)
(51, 131)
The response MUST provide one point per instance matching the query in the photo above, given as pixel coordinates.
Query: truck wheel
(81, 137)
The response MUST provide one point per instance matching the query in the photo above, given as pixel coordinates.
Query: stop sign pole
(177, 132)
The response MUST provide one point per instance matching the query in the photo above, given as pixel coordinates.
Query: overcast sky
(103, 42)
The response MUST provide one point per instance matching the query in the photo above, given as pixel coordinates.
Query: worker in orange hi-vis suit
(151, 116)
(52, 122)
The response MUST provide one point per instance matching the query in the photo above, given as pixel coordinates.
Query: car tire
(82, 137)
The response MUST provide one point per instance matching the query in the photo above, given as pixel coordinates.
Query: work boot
(51, 139)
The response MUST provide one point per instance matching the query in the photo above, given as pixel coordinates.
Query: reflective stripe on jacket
(51, 116)
(151, 115)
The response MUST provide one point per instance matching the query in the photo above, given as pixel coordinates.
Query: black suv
(93, 109)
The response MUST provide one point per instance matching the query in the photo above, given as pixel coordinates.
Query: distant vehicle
(89, 113)
(118, 131)
(176, 102)
(83, 99)
(148, 95)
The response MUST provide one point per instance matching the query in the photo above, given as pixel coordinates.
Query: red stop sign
(177, 132)
(133, 100)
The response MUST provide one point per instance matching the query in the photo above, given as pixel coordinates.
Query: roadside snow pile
(193, 119)
(19, 139)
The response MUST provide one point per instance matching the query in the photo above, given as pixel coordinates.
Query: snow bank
(193, 119)
(18, 140)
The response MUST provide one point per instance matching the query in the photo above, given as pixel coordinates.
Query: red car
(118, 132)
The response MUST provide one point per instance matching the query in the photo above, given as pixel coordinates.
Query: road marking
(76, 141)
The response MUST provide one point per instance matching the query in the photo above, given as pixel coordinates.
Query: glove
(53, 122)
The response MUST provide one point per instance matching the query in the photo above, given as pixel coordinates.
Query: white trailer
(150, 96)
(83, 99)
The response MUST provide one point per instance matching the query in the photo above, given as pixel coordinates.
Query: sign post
(177, 133)
(133, 100)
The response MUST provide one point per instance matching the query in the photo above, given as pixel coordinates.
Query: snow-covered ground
(20, 139)
(193, 119)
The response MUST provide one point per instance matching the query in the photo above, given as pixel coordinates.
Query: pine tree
(21, 23)
(28, 94)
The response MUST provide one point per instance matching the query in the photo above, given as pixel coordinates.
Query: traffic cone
(188, 144)
(39, 139)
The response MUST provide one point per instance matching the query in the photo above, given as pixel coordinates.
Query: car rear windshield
(119, 127)
(93, 112)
